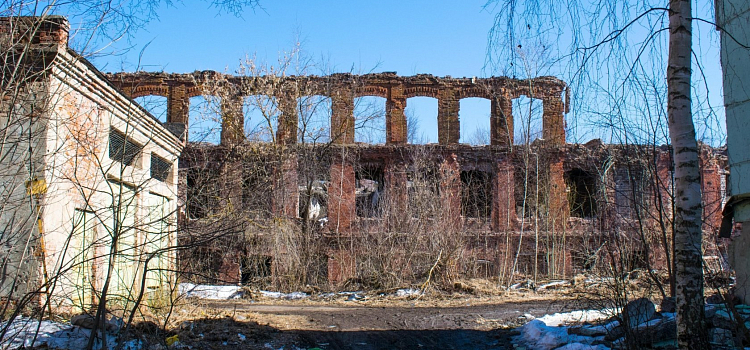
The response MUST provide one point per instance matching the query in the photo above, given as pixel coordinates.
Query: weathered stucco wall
(76, 111)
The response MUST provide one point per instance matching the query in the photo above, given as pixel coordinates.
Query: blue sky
(408, 37)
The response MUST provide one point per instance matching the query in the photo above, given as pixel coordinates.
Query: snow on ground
(200, 291)
(547, 332)
(552, 285)
(26, 333)
(288, 296)
(578, 316)
(408, 292)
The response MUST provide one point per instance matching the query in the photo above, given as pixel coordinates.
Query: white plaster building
(88, 179)
(733, 21)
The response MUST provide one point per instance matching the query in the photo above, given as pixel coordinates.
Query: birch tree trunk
(691, 325)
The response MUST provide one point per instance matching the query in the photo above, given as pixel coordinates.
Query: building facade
(88, 179)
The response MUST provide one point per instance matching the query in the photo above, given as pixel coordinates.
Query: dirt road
(362, 326)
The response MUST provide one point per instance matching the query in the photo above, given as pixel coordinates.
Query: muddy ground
(451, 323)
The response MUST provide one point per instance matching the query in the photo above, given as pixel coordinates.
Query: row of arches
(456, 121)
(261, 116)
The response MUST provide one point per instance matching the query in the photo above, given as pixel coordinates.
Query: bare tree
(589, 53)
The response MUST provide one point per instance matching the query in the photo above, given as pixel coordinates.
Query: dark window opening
(256, 190)
(476, 194)
(121, 148)
(254, 268)
(202, 192)
(370, 182)
(528, 194)
(317, 271)
(160, 168)
(315, 197)
(423, 189)
(582, 195)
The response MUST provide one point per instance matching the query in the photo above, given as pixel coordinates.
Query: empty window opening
(474, 116)
(317, 270)
(202, 192)
(369, 119)
(582, 193)
(528, 191)
(421, 120)
(256, 189)
(369, 191)
(314, 119)
(205, 119)
(313, 201)
(255, 268)
(261, 117)
(423, 188)
(476, 194)
(527, 120)
(160, 168)
(156, 105)
(122, 148)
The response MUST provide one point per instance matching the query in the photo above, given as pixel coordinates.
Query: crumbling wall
(540, 188)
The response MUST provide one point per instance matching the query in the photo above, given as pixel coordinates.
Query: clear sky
(438, 37)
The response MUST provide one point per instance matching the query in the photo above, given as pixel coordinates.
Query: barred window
(160, 168)
(121, 148)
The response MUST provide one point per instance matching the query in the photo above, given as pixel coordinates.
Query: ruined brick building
(338, 210)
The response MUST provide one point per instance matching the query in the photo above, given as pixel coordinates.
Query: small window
(121, 148)
(160, 168)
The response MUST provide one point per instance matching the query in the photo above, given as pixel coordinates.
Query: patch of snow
(201, 291)
(576, 316)
(537, 335)
(287, 296)
(408, 292)
(552, 284)
(25, 332)
(599, 329)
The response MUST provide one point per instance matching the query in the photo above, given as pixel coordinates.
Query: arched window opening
(421, 120)
(314, 113)
(474, 116)
(261, 117)
(527, 120)
(156, 105)
(582, 193)
(369, 119)
(205, 119)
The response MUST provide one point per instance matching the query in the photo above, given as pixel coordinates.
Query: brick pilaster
(395, 119)
(342, 116)
(449, 130)
(232, 120)
(501, 121)
(450, 191)
(286, 132)
(341, 193)
(553, 120)
(503, 196)
(286, 188)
